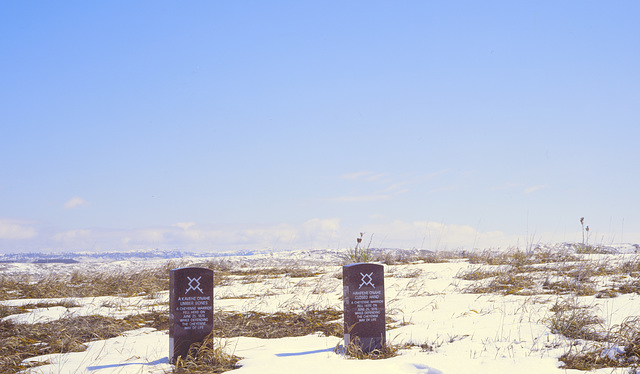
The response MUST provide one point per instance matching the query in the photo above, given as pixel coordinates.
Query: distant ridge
(83, 256)
(56, 261)
(160, 254)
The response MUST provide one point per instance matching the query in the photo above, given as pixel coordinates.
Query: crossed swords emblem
(192, 287)
(365, 281)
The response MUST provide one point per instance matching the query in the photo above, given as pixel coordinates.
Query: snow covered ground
(439, 326)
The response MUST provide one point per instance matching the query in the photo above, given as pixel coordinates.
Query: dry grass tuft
(631, 286)
(354, 350)
(575, 321)
(631, 268)
(620, 349)
(209, 356)
(278, 325)
(404, 257)
(564, 287)
(511, 257)
(506, 283)
(627, 335)
(588, 357)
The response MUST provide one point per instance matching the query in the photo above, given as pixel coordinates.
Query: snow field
(437, 326)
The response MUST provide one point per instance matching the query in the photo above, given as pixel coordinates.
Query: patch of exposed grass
(413, 273)
(438, 257)
(238, 297)
(20, 341)
(607, 293)
(277, 325)
(631, 268)
(593, 249)
(542, 271)
(506, 283)
(399, 272)
(400, 257)
(293, 272)
(511, 257)
(553, 255)
(520, 258)
(10, 310)
(632, 286)
(404, 257)
(225, 272)
(85, 284)
(568, 286)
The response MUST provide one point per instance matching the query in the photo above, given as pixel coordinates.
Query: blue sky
(229, 125)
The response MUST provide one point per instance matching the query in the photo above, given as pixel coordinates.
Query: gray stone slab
(364, 306)
(190, 309)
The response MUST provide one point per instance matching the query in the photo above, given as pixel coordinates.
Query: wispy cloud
(72, 235)
(314, 233)
(11, 229)
(184, 225)
(434, 235)
(75, 202)
(377, 192)
(196, 236)
(397, 188)
(535, 188)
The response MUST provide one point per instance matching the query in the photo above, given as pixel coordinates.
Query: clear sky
(224, 125)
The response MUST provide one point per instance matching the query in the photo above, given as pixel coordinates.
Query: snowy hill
(477, 312)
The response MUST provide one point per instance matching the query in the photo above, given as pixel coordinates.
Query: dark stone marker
(364, 317)
(190, 309)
